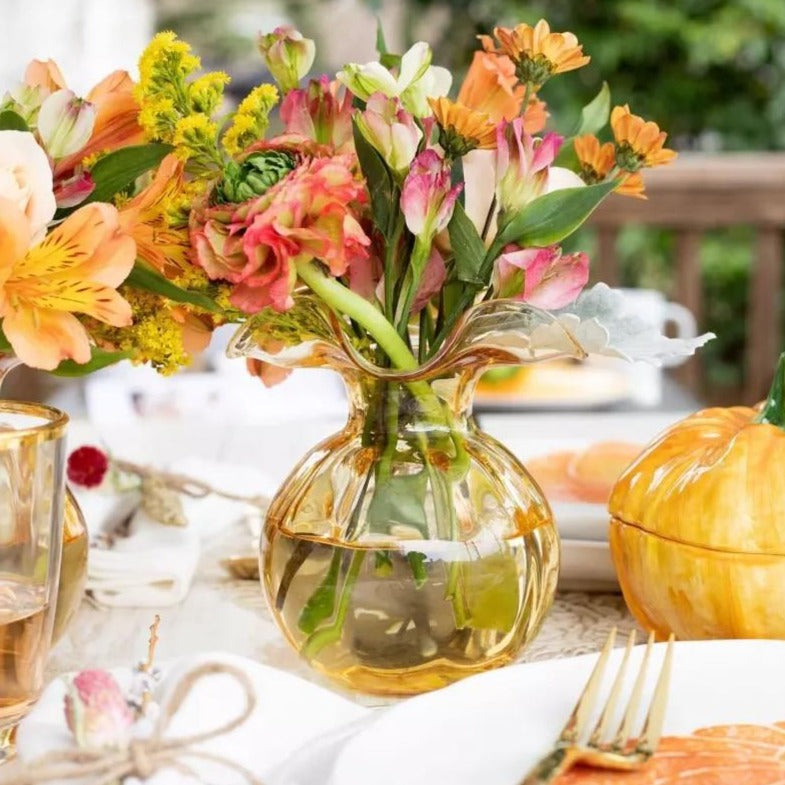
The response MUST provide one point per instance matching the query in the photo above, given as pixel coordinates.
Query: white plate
(491, 729)
(587, 566)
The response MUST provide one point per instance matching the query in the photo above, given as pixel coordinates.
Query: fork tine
(631, 712)
(652, 728)
(606, 718)
(583, 708)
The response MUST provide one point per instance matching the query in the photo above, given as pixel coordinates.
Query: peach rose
(26, 179)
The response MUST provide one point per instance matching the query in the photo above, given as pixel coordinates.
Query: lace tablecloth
(222, 613)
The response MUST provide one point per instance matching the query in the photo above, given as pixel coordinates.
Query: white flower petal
(559, 178)
(414, 63)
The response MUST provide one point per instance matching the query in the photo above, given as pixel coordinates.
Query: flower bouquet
(405, 239)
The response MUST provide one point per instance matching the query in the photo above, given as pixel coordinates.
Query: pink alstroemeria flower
(427, 200)
(322, 111)
(97, 712)
(65, 123)
(522, 163)
(431, 282)
(74, 190)
(288, 55)
(550, 279)
(391, 130)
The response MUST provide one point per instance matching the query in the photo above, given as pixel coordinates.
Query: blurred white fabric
(87, 38)
(155, 565)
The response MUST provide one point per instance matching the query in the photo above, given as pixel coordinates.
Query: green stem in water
(332, 634)
(773, 411)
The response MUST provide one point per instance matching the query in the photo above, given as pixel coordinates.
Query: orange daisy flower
(462, 129)
(538, 53)
(638, 143)
(597, 162)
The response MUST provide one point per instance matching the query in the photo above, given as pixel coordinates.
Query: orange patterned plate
(717, 755)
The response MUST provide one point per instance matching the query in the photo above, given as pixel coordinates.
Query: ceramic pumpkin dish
(697, 528)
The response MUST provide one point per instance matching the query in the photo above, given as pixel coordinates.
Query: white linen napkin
(289, 713)
(155, 565)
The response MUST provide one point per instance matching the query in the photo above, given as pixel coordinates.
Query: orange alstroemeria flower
(491, 86)
(117, 112)
(638, 143)
(75, 269)
(462, 129)
(145, 219)
(538, 53)
(598, 160)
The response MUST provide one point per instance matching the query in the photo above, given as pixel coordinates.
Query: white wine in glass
(32, 461)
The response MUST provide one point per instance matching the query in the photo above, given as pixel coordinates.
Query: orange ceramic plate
(719, 755)
(584, 475)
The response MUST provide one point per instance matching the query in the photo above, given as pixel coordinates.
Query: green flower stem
(332, 634)
(773, 411)
(344, 300)
(420, 254)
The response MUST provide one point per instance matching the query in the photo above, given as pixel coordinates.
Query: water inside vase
(411, 616)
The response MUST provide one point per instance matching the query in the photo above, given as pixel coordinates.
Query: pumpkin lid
(713, 480)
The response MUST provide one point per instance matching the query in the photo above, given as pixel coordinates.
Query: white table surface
(221, 613)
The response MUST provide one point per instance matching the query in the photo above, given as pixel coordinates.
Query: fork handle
(551, 766)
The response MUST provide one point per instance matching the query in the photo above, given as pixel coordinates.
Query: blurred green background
(711, 72)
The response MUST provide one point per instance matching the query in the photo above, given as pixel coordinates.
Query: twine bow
(144, 757)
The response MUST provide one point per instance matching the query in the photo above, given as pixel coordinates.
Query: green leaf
(11, 121)
(321, 604)
(117, 170)
(145, 277)
(594, 116)
(467, 246)
(552, 217)
(398, 501)
(100, 359)
(381, 184)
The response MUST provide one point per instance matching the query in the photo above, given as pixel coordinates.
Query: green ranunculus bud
(253, 176)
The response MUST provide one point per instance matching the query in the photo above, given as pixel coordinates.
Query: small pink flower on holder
(97, 712)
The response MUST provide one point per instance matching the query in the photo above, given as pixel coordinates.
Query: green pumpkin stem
(773, 411)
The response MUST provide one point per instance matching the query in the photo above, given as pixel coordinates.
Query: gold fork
(625, 750)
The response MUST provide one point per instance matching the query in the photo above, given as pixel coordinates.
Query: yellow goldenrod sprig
(251, 119)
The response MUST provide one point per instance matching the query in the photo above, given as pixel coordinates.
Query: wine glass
(32, 468)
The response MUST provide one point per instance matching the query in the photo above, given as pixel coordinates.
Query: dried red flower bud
(87, 466)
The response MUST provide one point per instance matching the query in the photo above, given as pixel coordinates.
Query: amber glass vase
(411, 549)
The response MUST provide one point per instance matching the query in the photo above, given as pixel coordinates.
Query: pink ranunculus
(322, 111)
(431, 282)
(310, 214)
(97, 712)
(550, 279)
(522, 163)
(391, 130)
(427, 200)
